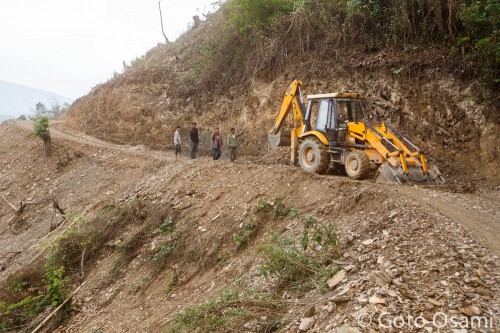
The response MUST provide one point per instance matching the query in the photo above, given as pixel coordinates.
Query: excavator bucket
(387, 174)
(280, 139)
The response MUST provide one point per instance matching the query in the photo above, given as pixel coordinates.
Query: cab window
(350, 110)
(322, 115)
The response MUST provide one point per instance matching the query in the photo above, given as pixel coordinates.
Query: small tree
(41, 130)
(41, 110)
(53, 110)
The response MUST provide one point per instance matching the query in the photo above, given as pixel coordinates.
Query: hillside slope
(413, 248)
(438, 101)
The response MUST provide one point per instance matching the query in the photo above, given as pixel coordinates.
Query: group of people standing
(217, 143)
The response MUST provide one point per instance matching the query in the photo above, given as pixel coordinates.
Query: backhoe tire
(314, 156)
(357, 164)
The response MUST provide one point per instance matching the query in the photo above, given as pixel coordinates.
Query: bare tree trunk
(197, 21)
(451, 10)
(17, 220)
(47, 143)
(161, 21)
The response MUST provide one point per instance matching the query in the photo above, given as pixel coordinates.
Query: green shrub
(30, 294)
(229, 312)
(162, 254)
(480, 34)
(248, 230)
(279, 209)
(167, 226)
(261, 206)
(56, 284)
(251, 14)
(287, 261)
(302, 263)
(293, 213)
(41, 128)
(62, 155)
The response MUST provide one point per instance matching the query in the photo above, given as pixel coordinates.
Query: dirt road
(478, 212)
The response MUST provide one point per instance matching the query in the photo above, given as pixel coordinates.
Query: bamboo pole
(57, 309)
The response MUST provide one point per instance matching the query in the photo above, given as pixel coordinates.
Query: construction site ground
(438, 246)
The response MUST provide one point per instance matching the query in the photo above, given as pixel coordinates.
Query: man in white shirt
(177, 143)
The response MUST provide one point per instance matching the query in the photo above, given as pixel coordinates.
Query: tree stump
(47, 143)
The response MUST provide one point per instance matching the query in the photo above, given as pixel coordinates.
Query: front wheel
(357, 164)
(314, 156)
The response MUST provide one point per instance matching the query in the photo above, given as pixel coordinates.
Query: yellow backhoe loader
(334, 132)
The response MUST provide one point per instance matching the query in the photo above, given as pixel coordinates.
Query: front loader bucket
(387, 174)
(280, 139)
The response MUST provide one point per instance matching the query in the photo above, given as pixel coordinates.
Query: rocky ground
(406, 254)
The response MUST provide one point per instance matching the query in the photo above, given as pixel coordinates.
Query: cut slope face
(452, 117)
(402, 252)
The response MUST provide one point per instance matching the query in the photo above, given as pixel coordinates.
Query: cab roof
(335, 95)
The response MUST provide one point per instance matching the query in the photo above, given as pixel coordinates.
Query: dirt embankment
(403, 250)
(453, 119)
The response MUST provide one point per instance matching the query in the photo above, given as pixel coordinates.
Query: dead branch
(55, 204)
(53, 222)
(82, 262)
(17, 219)
(8, 203)
(161, 21)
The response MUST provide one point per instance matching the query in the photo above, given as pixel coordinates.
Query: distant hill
(16, 99)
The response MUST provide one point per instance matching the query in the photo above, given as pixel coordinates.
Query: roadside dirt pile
(208, 246)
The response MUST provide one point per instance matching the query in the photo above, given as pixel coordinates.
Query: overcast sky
(69, 46)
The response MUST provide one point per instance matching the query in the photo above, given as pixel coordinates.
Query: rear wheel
(314, 156)
(357, 164)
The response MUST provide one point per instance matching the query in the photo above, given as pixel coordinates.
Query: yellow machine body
(334, 132)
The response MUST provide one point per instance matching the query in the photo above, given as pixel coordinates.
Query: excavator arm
(292, 101)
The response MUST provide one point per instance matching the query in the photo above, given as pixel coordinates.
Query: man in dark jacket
(216, 144)
(194, 140)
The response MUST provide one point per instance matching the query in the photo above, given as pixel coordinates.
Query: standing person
(194, 141)
(177, 143)
(216, 144)
(232, 143)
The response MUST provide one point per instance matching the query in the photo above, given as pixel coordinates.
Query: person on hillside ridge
(177, 142)
(216, 144)
(232, 143)
(194, 141)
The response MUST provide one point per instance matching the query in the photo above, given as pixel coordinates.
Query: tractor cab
(330, 113)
